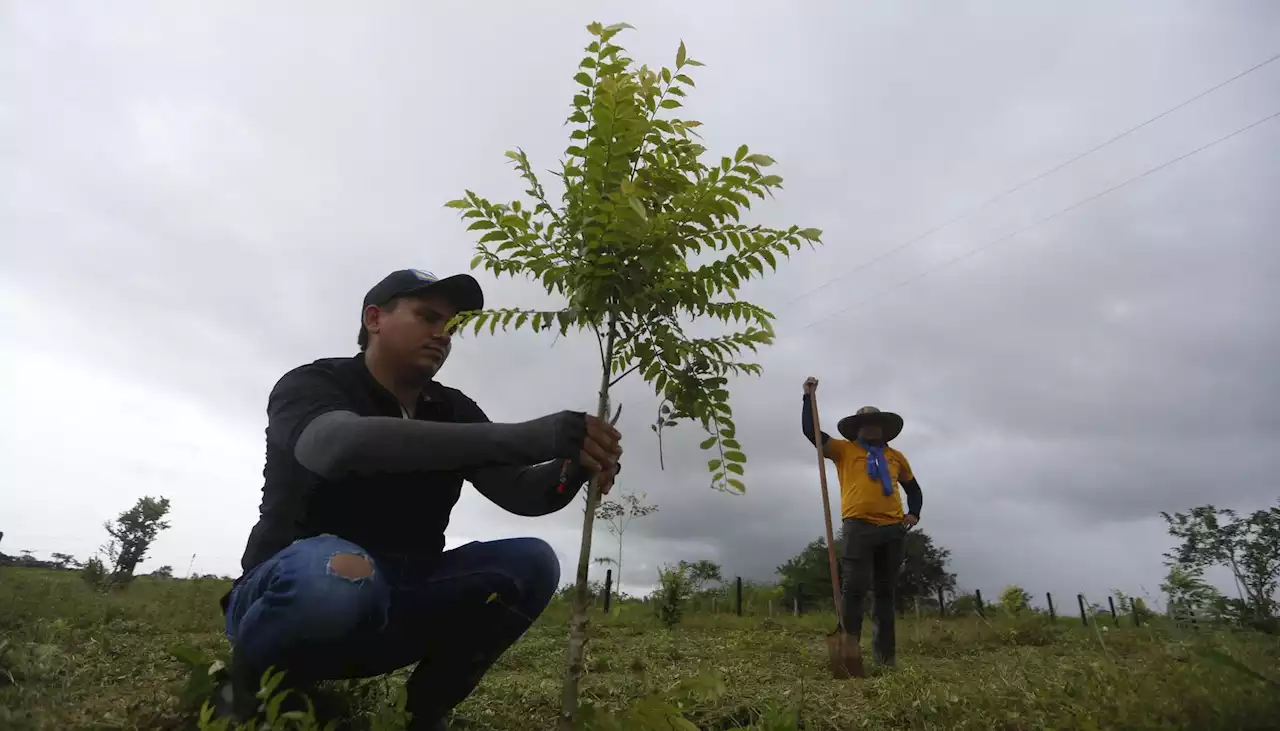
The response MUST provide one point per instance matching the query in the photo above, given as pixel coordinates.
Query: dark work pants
(871, 558)
(454, 618)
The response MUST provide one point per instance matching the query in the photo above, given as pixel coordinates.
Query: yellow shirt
(861, 496)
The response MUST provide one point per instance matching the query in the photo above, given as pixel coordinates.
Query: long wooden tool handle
(826, 510)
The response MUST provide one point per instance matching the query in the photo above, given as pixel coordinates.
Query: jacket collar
(385, 399)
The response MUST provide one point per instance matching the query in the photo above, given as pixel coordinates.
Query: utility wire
(1046, 219)
(1030, 181)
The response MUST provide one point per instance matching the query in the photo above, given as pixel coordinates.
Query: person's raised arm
(310, 416)
(806, 419)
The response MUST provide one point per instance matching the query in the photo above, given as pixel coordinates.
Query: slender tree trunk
(1235, 574)
(578, 623)
(619, 562)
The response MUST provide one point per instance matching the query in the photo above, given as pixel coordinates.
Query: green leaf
(670, 104)
(684, 80)
(481, 225)
(740, 154)
(638, 207)
(713, 465)
(494, 236)
(734, 468)
(475, 260)
(737, 484)
(583, 78)
(811, 234)
(681, 55)
(457, 204)
(735, 456)
(759, 160)
(707, 443)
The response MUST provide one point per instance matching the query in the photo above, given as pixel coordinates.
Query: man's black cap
(461, 290)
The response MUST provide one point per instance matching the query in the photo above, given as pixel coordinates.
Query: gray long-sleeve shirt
(342, 459)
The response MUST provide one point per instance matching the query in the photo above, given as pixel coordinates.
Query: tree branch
(624, 374)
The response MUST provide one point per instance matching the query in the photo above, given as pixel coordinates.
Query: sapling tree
(1014, 599)
(646, 240)
(618, 514)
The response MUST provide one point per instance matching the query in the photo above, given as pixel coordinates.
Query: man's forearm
(915, 498)
(806, 421)
(530, 491)
(341, 443)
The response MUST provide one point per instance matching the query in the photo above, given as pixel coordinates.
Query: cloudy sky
(195, 197)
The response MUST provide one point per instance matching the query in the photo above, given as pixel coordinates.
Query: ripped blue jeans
(454, 617)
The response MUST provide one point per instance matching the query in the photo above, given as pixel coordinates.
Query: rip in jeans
(353, 567)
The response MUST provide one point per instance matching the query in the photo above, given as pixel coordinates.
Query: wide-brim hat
(890, 422)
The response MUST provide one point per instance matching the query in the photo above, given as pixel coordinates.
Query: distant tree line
(806, 578)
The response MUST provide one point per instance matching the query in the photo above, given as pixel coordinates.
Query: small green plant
(1015, 600)
(271, 710)
(658, 711)
(963, 605)
(94, 574)
(1028, 629)
(203, 674)
(675, 586)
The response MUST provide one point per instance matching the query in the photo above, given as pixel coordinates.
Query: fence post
(1134, 604)
(770, 609)
(1115, 618)
(1084, 618)
(739, 596)
(982, 611)
(1049, 596)
(608, 588)
(942, 604)
(796, 599)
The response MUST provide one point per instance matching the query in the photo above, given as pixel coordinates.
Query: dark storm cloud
(198, 202)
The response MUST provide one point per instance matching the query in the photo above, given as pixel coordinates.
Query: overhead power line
(1046, 219)
(1029, 181)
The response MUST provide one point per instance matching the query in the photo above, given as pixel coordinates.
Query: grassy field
(73, 659)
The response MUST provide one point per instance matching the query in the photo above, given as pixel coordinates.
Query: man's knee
(348, 595)
(542, 566)
(352, 566)
(532, 566)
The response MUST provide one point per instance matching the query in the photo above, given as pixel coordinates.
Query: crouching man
(345, 574)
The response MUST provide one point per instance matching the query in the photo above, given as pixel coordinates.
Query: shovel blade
(844, 655)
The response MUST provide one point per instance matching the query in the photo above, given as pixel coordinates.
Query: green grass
(73, 659)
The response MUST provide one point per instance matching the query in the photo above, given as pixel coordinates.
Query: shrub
(94, 574)
(964, 605)
(674, 590)
(1015, 600)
